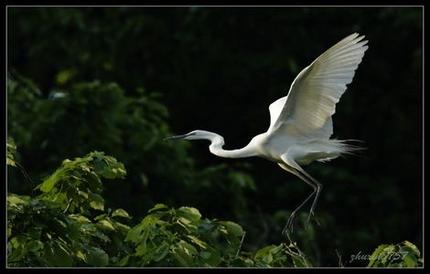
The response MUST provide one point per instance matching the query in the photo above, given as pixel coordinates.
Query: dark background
(218, 69)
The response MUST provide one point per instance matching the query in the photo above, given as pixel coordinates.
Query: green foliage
(77, 185)
(10, 152)
(404, 254)
(282, 255)
(179, 237)
(41, 234)
(56, 228)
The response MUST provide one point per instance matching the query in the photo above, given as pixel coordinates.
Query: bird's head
(193, 135)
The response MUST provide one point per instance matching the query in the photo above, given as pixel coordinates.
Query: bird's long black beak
(176, 137)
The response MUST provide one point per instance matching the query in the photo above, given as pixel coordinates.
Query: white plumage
(307, 109)
(301, 122)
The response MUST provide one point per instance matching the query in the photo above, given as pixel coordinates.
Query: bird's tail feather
(345, 146)
(337, 148)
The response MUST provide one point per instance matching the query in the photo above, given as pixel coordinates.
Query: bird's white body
(272, 148)
(301, 122)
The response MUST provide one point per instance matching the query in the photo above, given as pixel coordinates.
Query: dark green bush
(67, 224)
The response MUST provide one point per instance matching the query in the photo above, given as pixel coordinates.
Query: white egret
(301, 123)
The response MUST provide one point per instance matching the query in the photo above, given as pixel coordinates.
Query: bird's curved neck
(217, 142)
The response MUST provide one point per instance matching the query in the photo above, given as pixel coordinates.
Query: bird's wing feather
(307, 109)
(275, 109)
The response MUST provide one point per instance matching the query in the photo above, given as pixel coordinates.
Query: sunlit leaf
(158, 207)
(232, 228)
(96, 201)
(105, 225)
(120, 213)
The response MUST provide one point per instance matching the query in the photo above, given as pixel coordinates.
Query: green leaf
(65, 75)
(34, 246)
(410, 261)
(18, 249)
(106, 225)
(375, 255)
(189, 213)
(123, 261)
(96, 201)
(83, 194)
(11, 151)
(80, 218)
(264, 255)
(413, 248)
(185, 223)
(399, 255)
(184, 253)
(135, 233)
(10, 162)
(79, 254)
(51, 181)
(122, 228)
(210, 257)
(96, 257)
(121, 213)
(158, 207)
(161, 251)
(197, 241)
(233, 228)
(14, 199)
(56, 254)
(108, 167)
(94, 182)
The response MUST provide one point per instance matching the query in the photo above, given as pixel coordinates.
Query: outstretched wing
(307, 109)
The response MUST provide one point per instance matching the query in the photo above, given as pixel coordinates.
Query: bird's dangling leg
(314, 203)
(292, 165)
(289, 227)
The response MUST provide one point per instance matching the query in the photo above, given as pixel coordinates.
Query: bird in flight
(301, 122)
